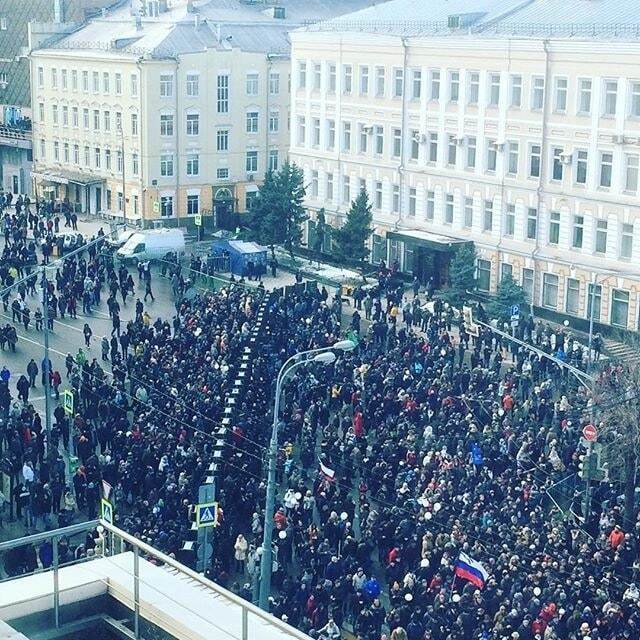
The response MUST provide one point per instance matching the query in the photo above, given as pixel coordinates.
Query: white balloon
(282, 535)
(437, 506)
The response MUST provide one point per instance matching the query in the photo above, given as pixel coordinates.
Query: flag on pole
(106, 490)
(327, 472)
(469, 569)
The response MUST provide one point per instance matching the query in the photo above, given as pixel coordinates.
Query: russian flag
(469, 569)
(327, 472)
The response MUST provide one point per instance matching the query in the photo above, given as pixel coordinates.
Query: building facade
(165, 115)
(527, 147)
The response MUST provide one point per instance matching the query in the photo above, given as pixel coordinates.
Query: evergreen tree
(351, 238)
(277, 214)
(462, 278)
(509, 293)
(321, 229)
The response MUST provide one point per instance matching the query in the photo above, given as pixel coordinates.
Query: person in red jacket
(616, 537)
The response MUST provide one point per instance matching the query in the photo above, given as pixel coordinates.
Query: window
(193, 124)
(412, 201)
(513, 156)
(634, 106)
(96, 120)
(166, 86)
(302, 131)
(347, 77)
(527, 283)
(606, 165)
(435, 85)
(118, 81)
(398, 83)
(631, 182)
(510, 220)
(468, 213)
(378, 195)
(346, 136)
(74, 117)
(134, 85)
(474, 88)
(54, 78)
(534, 161)
(166, 125)
(274, 83)
(626, 240)
(346, 189)
(448, 209)
(316, 132)
(417, 84)
(452, 148)
(516, 91)
(619, 308)
(223, 94)
(578, 232)
(41, 77)
(395, 200)
(74, 79)
(492, 155)
(379, 139)
(362, 138)
(193, 85)
(584, 96)
(41, 111)
(556, 172)
(494, 89)
(64, 77)
(252, 84)
(107, 120)
(273, 160)
(193, 164)
(601, 236)
(549, 290)
(105, 82)
(85, 118)
(329, 190)
(364, 81)
(331, 134)
(302, 75)
(532, 223)
(65, 152)
(249, 199)
(454, 86)
(222, 173)
(610, 97)
(166, 164)
(252, 121)
(97, 156)
(54, 113)
(484, 275)
(65, 116)
(119, 161)
(431, 205)
(537, 93)
(222, 140)
(506, 270)
(560, 104)
(487, 218)
(433, 147)
(119, 200)
(380, 77)
(166, 206)
(397, 143)
(573, 296)
(135, 164)
(471, 152)
(581, 167)
(554, 227)
(56, 152)
(95, 81)
(415, 145)
(3, 24)
(193, 204)
(332, 78)
(87, 156)
(76, 154)
(251, 162)
(594, 299)
(274, 122)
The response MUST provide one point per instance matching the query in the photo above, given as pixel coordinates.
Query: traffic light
(586, 465)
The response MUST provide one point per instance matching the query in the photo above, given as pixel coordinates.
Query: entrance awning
(61, 176)
(433, 241)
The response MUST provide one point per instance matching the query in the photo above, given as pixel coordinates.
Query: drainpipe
(543, 166)
(267, 115)
(141, 146)
(403, 118)
(178, 125)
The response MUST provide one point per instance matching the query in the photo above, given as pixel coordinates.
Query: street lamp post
(324, 355)
(124, 194)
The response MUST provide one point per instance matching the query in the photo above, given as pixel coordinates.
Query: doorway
(98, 199)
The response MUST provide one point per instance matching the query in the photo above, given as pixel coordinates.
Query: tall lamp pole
(45, 363)
(324, 355)
(124, 193)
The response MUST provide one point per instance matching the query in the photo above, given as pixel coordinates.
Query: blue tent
(241, 254)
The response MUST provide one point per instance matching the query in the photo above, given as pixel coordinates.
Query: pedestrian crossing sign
(207, 515)
(67, 402)
(106, 511)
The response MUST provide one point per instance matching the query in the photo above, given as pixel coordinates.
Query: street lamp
(124, 193)
(324, 355)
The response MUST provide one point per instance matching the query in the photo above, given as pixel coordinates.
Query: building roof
(191, 27)
(520, 18)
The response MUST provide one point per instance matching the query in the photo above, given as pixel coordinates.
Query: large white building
(501, 122)
(163, 110)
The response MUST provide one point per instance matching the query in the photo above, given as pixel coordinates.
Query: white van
(151, 245)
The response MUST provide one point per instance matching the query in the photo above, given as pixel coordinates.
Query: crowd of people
(422, 443)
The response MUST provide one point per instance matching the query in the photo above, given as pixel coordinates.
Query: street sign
(590, 433)
(515, 310)
(205, 551)
(207, 515)
(156, 207)
(198, 220)
(106, 511)
(67, 402)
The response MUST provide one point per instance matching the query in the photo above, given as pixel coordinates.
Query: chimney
(57, 11)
